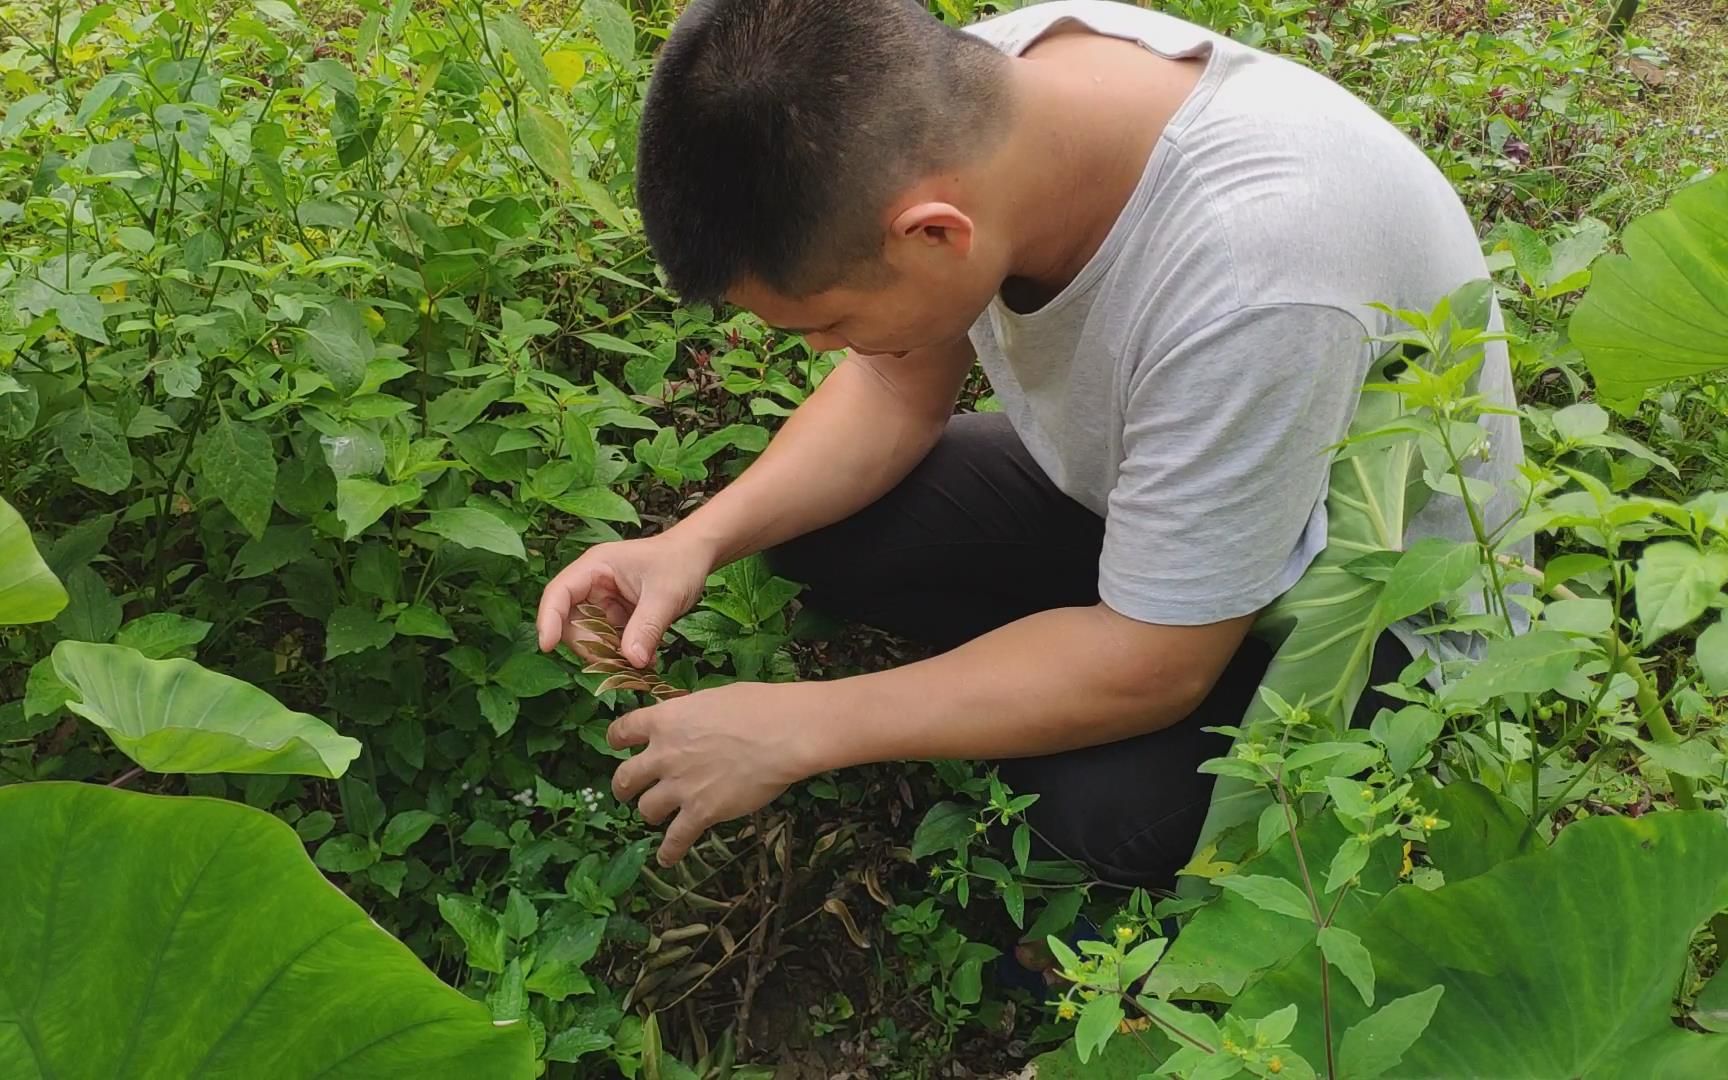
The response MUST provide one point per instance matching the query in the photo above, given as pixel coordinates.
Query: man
(1161, 245)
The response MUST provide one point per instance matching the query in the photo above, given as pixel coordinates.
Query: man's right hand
(643, 586)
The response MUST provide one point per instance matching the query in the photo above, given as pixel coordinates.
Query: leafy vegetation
(329, 335)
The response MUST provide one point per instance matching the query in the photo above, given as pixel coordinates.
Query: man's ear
(934, 224)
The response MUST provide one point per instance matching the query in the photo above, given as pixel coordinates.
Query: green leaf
(315, 825)
(1140, 960)
(321, 991)
(1378, 1043)
(597, 503)
(1655, 313)
(360, 502)
(1430, 572)
(404, 829)
(94, 614)
(174, 716)
(529, 675)
(1710, 1010)
(1098, 1021)
(279, 546)
(1531, 663)
(1561, 963)
(162, 634)
(520, 918)
(500, 708)
(1483, 830)
(611, 23)
(479, 930)
(29, 591)
(947, 826)
(1057, 916)
(355, 630)
(473, 528)
(1344, 951)
(1269, 893)
(519, 41)
(1676, 583)
(418, 620)
(1351, 857)
(345, 854)
(337, 342)
(239, 463)
(1712, 654)
(95, 448)
(44, 693)
(1590, 616)
(546, 142)
(1407, 734)
(621, 872)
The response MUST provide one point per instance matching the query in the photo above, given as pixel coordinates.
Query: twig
(127, 777)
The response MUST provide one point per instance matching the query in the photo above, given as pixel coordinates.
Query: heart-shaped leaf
(176, 716)
(29, 591)
(155, 936)
(1560, 963)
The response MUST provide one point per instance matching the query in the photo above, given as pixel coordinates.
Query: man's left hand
(713, 756)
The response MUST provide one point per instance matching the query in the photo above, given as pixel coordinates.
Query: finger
(631, 778)
(561, 595)
(685, 830)
(657, 803)
(631, 729)
(654, 613)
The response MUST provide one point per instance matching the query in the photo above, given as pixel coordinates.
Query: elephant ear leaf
(29, 591)
(1655, 314)
(177, 716)
(170, 936)
(1603, 918)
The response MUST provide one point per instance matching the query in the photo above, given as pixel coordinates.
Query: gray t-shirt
(1188, 383)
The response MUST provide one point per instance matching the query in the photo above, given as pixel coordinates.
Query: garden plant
(328, 334)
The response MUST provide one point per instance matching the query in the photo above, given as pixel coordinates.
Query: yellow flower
(1275, 1065)
(1124, 934)
(1404, 871)
(1066, 1010)
(1430, 822)
(1133, 1024)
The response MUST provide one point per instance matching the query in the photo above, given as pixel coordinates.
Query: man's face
(923, 301)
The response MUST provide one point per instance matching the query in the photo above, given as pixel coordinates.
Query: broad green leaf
(566, 67)
(360, 502)
(1483, 830)
(1140, 960)
(279, 546)
(1561, 963)
(1528, 664)
(598, 503)
(337, 342)
(1344, 951)
(1268, 892)
(947, 826)
(500, 708)
(1431, 571)
(474, 528)
(1590, 616)
(479, 930)
(519, 41)
(96, 448)
(621, 872)
(174, 716)
(193, 937)
(93, 613)
(611, 23)
(239, 463)
(1407, 734)
(1098, 1021)
(1676, 583)
(1582, 421)
(29, 591)
(404, 829)
(1376, 1044)
(44, 693)
(418, 620)
(1712, 656)
(529, 675)
(1655, 313)
(1710, 1010)
(546, 142)
(355, 630)
(162, 634)
(345, 854)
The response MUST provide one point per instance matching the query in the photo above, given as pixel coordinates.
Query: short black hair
(775, 132)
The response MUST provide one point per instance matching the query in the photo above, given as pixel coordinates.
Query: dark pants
(977, 537)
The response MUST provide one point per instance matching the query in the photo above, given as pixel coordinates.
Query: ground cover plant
(328, 334)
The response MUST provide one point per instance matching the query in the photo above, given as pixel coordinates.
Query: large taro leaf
(177, 716)
(1563, 963)
(1660, 311)
(1231, 940)
(29, 591)
(1324, 629)
(149, 936)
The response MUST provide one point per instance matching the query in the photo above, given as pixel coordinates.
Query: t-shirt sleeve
(1218, 505)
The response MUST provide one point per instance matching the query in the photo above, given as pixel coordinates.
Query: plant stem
(1655, 718)
(1319, 919)
(127, 777)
